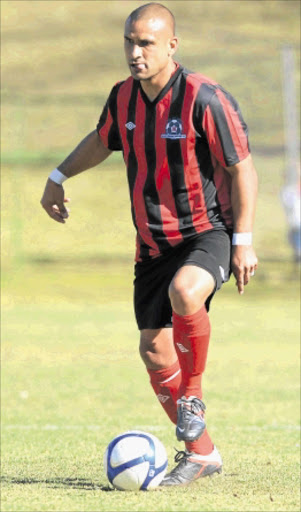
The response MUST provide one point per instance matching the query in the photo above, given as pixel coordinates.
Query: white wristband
(57, 176)
(242, 239)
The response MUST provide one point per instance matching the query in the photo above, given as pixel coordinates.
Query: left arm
(243, 199)
(227, 137)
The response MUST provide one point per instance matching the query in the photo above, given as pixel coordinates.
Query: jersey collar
(165, 89)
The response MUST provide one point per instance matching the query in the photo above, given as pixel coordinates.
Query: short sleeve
(107, 126)
(225, 129)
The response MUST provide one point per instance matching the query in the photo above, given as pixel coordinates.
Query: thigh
(151, 300)
(209, 251)
(212, 252)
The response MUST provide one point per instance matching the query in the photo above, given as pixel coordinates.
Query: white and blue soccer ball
(135, 461)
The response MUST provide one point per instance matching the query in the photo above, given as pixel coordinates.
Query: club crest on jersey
(173, 130)
(130, 125)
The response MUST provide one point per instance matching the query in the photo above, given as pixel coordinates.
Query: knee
(189, 289)
(181, 294)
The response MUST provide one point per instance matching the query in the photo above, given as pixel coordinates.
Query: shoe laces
(197, 406)
(181, 455)
(194, 406)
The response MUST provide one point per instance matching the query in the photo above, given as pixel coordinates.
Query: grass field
(66, 395)
(70, 370)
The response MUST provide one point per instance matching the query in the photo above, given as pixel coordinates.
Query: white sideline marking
(77, 427)
(154, 428)
(270, 427)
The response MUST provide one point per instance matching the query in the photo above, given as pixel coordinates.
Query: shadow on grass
(101, 259)
(271, 268)
(59, 483)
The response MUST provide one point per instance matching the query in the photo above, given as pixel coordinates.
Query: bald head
(150, 43)
(155, 13)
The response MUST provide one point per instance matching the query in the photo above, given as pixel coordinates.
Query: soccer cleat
(193, 466)
(190, 421)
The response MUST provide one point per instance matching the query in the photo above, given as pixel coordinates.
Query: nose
(136, 51)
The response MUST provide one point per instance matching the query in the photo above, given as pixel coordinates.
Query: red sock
(203, 446)
(191, 337)
(166, 383)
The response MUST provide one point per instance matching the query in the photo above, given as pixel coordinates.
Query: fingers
(244, 264)
(240, 280)
(53, 202)
(62, 211)
(243, 276)
(253, 268)
(246, 275)
(59, 212)
(55, 213)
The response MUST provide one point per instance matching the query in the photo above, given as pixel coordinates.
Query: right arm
(90, 152)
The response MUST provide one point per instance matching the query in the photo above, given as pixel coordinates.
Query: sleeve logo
(173, 130)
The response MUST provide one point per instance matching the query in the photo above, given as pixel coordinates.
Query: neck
(154, 85)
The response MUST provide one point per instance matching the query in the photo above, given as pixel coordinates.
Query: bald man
(193, 191)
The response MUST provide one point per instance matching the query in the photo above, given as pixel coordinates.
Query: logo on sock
(163, 398)
(182, 348)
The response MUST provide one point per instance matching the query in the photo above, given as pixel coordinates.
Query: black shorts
(210, 251)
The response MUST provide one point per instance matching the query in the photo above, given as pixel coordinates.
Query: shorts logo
(173, 130)
(130, 126)
(163, 398)
(222, 273)
(182, 348)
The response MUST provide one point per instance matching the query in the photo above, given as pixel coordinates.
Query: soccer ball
(135, 461)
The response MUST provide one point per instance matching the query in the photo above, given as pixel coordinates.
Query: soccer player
(193, 190)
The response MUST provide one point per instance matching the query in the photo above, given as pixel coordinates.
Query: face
(149, 46)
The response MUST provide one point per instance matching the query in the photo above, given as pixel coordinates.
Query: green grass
(66, 394)
(70, 369)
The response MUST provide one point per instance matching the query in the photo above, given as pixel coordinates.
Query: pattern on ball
(135, 460)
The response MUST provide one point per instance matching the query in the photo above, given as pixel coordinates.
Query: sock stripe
(170, 378)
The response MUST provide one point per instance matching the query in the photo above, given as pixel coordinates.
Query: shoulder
(198, 78)
(199, 81)
(201, 86)
(122, 85)
(206, 89)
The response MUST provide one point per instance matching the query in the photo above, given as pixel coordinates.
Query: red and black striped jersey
(175, 149)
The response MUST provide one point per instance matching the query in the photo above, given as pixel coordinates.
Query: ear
(173, 46)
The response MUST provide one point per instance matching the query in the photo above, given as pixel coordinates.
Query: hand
(53, 202)
(244, 264)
